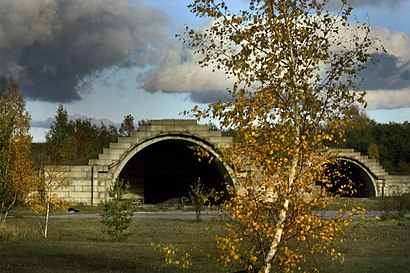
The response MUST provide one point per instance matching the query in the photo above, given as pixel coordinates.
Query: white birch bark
(279, 225)
(47, 216)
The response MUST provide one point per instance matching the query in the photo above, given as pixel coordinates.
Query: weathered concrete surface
(89, 182)
(384, 184)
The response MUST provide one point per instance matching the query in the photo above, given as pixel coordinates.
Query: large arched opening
(349, 178)
(164, 168)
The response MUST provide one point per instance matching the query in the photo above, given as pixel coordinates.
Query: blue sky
(105, 59)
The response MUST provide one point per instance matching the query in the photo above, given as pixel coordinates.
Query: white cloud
(185, 77)
(388, 99)
(179, 73)
(388, 79)
(396, 43)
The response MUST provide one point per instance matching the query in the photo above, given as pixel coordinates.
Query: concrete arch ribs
(371, 167)
(109, 163)
(89, 182)
(187, 127)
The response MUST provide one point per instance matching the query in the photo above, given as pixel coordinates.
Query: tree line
(23, 164)
(73, 142)
(388, 143)
(76, 141)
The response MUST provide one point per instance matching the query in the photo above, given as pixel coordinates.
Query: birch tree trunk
(47, 217)
(281, 220)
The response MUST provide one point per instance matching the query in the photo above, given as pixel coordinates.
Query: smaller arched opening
(348, 178)
(167, 167)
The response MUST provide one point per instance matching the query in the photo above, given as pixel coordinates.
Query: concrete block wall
(79, 189)
(88, 183)
(156, 128)
(189, 126)
(396, 185)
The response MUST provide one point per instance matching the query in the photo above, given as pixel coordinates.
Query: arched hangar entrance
(351, 179)
(164, 167)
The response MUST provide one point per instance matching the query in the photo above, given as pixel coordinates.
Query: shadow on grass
(78, 245)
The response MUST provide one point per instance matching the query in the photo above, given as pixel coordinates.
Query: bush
(393, 217)
(396, 204)
(200, 196)
(117, 212)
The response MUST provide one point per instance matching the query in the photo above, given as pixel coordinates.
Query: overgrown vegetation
(43, 201)
(396, 205)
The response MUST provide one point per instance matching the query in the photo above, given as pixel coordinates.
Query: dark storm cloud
(54, 48)
(336, 4)
(208, 96)
(387, 73)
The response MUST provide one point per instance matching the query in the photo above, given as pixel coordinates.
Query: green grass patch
(374, 246)
(78, 245)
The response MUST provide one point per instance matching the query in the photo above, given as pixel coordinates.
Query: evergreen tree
(60, 139)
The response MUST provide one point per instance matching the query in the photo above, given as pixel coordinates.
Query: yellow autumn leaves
(294, 76)
(174, 255)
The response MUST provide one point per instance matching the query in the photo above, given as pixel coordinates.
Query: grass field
(78, 245)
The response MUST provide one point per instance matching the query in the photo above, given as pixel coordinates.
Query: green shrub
(117, 212)
(393, 216)
(200, 196)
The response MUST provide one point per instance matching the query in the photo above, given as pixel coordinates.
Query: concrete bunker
(89, 182)
(164, 167)
(349, 172)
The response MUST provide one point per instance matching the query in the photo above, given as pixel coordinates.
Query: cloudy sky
(104, 59)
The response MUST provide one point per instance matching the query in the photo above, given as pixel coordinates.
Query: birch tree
(45, 199)
(295, 68)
